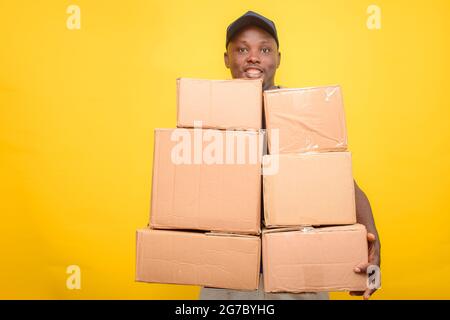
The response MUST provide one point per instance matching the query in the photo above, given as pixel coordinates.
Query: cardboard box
(309, 189)
(314, 260)
(207, 180)
(308, 119)
(220, 104)
(193, 258)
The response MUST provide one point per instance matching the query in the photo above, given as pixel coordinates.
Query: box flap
(229, 234)
(353, 227)
(267, 92)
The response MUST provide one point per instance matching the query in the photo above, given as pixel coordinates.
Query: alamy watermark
(373, 277)
(374, 19)
(73, 21)
(227, 147)
(73, 281)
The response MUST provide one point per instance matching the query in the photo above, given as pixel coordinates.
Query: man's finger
(362, 267)
(371, 237)
(368, 293)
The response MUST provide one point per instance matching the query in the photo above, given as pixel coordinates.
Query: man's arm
(364, 216)
(364, 212)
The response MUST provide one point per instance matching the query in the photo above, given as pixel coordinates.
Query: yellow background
(78, 109)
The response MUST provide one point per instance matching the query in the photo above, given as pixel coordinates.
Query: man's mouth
(253, 72)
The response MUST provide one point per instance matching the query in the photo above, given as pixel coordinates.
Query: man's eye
(265, 50)
(242, 50)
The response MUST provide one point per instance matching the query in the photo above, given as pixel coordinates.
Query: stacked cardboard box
(314, 259)
(311, 241)
(206, 195)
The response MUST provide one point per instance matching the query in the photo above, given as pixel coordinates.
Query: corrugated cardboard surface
(322, 259)
(310, 189)
(308, 119)
(221, 104)
(192, 258)
(218, 197)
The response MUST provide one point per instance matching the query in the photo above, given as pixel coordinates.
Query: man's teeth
(253, 73)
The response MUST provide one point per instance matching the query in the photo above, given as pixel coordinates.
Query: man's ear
(279, 59)
(225, 59)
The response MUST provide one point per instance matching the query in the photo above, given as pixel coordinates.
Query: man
(252, 52)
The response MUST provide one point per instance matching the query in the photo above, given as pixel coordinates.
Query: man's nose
(253, 57)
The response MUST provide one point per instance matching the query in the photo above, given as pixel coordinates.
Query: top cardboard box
(307, 119)
(219, 104)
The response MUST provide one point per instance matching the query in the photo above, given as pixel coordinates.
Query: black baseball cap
(251, 18)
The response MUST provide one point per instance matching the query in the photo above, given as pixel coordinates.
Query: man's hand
(374, 259)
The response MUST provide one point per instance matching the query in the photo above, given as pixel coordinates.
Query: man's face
(253, 54)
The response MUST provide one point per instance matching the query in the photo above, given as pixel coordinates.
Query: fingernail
(357, 270)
